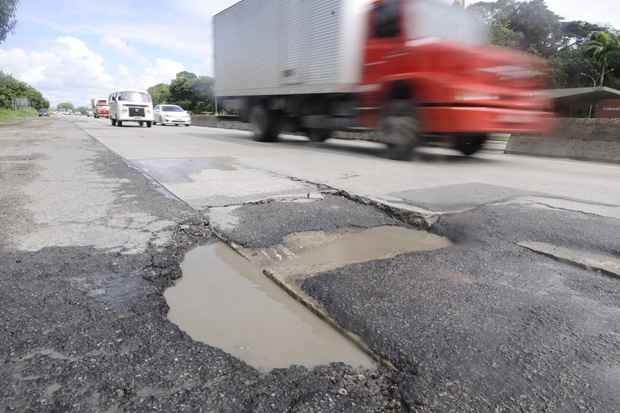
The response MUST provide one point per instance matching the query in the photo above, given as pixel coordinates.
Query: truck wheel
(399, 129)
(469, 145)
(113, 122)
(319, 135)
(119, 123)
(149, 124)
(265, 124)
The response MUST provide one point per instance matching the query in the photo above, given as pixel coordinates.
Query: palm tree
(601, 46)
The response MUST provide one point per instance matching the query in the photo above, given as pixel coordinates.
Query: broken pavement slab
(265, 224)
(592, 261)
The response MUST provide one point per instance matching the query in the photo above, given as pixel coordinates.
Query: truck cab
(101, 109)
(430, 61)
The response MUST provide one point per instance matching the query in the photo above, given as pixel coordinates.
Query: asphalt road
(88, 246)
(213, 167)
(481, 325)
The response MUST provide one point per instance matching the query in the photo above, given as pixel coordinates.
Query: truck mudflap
(456, 120)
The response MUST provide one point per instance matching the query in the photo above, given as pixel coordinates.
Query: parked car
(131, 106)
(43, 112)
(171, 115)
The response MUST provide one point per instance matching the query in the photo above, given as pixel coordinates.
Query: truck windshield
(102, 103)
(432, 18)
(138, 97)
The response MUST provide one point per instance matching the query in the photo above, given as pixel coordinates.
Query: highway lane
(213, 167)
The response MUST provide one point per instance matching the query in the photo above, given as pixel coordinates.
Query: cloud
(120, 46)
(70, 70)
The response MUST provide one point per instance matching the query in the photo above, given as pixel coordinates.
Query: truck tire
(399, 129)
(119, 123)
(149, 124)
(265, 124)
(113, 122)
(469, 145)
(319, 135)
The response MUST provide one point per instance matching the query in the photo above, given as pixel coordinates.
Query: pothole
(223, 300)
(307, 253)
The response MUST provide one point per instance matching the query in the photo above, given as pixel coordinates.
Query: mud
(306, 253)
(223, 300)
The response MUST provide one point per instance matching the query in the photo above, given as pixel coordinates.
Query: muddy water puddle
(224, 300)
(308, 253)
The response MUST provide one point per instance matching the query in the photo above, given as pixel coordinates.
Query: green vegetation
(82, 109)
(580, 53)
(7, 17)
(64, 106)
(11, 88)
(160, 93)
(601, 47)
(188, 90)
(9, 115)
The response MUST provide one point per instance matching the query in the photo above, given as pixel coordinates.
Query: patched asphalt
(265, 224)
(486, 325)
(483, 325)
(85, 327)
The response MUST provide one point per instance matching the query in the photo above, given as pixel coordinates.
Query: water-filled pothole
(307, 253)
(223, 300)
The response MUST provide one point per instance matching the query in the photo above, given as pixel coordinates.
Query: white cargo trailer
(285, 47)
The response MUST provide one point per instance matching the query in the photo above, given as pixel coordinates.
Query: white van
(131, 106)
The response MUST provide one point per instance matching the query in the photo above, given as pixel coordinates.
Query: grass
(8, 115)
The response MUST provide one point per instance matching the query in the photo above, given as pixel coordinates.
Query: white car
(131, 106)
(171, 115)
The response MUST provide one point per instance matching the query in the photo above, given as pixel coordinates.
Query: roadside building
(608, 109)
(585, 102)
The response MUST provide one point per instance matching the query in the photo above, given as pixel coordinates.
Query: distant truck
(100, 107)
(415, 70)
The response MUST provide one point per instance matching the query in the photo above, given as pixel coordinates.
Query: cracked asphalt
(89, 245)
(93, 239)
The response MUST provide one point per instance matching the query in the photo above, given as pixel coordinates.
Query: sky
(74, 50)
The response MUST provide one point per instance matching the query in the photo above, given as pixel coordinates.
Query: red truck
(415, 71)
(100, 108)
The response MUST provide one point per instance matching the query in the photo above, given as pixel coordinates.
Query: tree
(160, 93)
(203, 94)
(572, 67)
(65, 106)
(82, 109)
(502, 35)
(181, 87)
(601, 47)
(578, 32)
(11, 88)
(540, 27)
(7, 17)
(192, 92)
(529, 26)
(532, 27)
